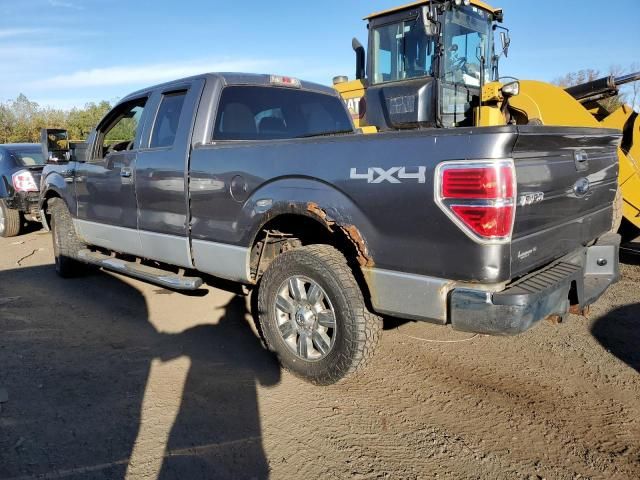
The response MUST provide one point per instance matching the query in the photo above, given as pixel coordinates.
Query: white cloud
(17, 32)
(23, 54)
(65, 4)
(148, 74)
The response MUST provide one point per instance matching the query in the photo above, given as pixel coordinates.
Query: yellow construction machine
(435, 63)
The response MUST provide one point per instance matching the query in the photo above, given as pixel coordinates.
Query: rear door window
(166, 124)
(267, 113)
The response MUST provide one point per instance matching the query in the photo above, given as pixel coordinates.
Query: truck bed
(403, 228)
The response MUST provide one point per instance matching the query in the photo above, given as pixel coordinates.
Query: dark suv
(21, 166)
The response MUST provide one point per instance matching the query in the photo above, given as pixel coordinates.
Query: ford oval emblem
(581, 187)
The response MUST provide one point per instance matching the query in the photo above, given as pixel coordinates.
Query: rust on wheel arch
(350, 231)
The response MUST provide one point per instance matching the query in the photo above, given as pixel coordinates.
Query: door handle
(125, 172)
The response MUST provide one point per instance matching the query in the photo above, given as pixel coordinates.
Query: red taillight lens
(486, 221)
(23, 182)
(483, 182)
(479, 196)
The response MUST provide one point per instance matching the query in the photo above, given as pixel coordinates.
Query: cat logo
(357, 107)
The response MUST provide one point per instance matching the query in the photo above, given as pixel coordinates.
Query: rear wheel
(66, 243)
(10, 220)
(313, 315)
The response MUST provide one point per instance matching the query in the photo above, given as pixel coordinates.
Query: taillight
(23, 181)
(483, 182)
(486, 221)
(479, 196)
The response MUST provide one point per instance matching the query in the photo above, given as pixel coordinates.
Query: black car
(21, 166)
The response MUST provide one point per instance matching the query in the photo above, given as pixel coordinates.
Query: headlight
(510, 89)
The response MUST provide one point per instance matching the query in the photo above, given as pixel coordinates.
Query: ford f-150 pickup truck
(263, 180)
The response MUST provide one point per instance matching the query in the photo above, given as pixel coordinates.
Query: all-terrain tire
(10, 221)
(66, 243)
(618, 203)
(356, 330)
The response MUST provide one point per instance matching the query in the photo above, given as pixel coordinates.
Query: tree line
(21, 119)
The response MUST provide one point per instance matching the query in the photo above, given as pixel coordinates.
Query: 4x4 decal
(391, 175)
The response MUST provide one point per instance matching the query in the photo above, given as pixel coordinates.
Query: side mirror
(506, 41)
(429, 16)
(79, 151)
(55, 145)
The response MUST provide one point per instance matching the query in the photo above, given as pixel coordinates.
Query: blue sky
(65, 53)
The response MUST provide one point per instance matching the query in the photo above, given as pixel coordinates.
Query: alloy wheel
(306, 318)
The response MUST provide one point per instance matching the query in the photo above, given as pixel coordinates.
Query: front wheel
(66, 243)
(313, 315)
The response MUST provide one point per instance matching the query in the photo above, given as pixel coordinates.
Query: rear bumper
(576, 280)
(26, 202)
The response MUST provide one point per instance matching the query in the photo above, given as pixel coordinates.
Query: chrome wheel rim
(1, 219)
(305, 318)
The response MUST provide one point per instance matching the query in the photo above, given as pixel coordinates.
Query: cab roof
(477, 3)
(233, 78)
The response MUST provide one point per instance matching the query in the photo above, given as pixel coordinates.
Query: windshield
(467, 37)
(400, 51)
(28, 158)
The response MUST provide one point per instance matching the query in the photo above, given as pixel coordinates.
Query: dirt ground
(108, 377)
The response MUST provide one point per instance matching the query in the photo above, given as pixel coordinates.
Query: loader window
(400, 51)
(268, 113)
(467, 37)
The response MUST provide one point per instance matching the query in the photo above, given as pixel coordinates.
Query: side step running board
(148, 274)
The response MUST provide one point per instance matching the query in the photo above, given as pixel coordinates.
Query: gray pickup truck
(262, 180)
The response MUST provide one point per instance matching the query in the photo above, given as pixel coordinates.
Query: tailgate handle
(125, 172)
(581, 160)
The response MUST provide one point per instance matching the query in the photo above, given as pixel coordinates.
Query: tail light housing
(23, 181)
(479, 196)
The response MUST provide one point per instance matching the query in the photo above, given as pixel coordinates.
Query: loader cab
(428, 62)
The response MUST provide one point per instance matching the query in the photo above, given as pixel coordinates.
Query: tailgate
(567, 179)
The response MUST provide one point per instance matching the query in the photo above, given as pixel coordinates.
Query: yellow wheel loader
(434, 63)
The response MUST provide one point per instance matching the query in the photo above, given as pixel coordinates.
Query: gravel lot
(108, 377)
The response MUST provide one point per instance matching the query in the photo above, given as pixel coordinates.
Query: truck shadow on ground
(78, 360)
(619, 333)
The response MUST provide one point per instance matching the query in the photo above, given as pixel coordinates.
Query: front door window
(121, 130)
